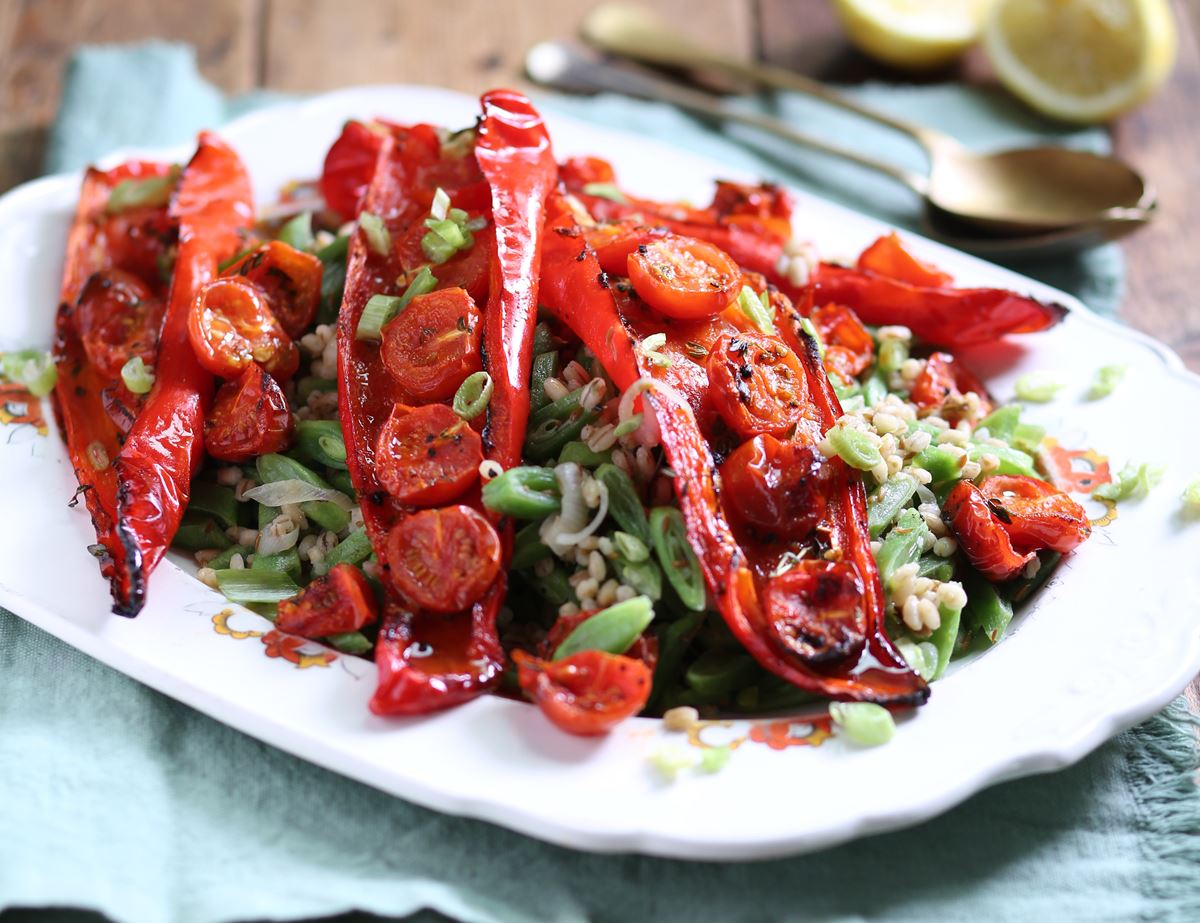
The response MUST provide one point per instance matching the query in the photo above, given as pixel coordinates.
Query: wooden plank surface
(313, 45)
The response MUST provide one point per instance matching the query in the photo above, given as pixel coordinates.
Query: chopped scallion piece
(298, 232)
(382, 308)
(32, 369)
(379, 238)
(1039, 387)
(865, 723)
(1106, 381)
(756, 312)
(256, 586)
(473, 395)
(669, 760)
(628, 426)
(138, 193)
(855, 448)
(137, 376)
(605, 191)
(441, 204)
(1191, 495)
(713, 759)
(1133, 483)
(612, 630)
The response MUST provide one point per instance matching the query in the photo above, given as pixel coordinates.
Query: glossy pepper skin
(93, 438)
(164, 449)
(734, 569)
(425, 660)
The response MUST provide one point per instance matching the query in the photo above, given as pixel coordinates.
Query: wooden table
(313, 45)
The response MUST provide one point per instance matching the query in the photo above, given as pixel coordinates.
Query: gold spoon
(1028, 192)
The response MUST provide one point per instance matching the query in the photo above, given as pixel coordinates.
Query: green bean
(1027, 437)
(579, 453)
(256, 586)
(986, 612)
(325, 513)
(333, 278)
(321, 441)
(528, 548)
(612, 630)
(340, 479)
(717, 674)
(673, 643)
(526, 492)
(624, 505)
(222, 560)
(285, 562)
(547, 438)
(543, 340)
(353, 549)
(935, 568)
(554, 587)
(630, 547)
(545, 365)
(336, 249)
(220, 501)
(845, 392)
(298, 232)
(875, 388)
(1020, 589)
(1002, 422)
(854, 447)
(902, 546)
(668, 534)
(350, 642)
(196, 534)
(886, 501)
(944, 636)
(940, 462)
(643, 576)
(560, 410)
(1012, 461)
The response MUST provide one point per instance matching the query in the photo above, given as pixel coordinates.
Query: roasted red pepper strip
(942, 316)
(431, 660)
(513, 150)
(165, 447)
(98, 242)
(576, 292)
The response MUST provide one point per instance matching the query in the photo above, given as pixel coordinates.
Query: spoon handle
(634, 32)
(558, 65)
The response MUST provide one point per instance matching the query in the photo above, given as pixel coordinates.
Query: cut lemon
(1081, 60)
(913, 34)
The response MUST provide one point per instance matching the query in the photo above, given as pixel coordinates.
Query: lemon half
(913, 34)
(1081, 60)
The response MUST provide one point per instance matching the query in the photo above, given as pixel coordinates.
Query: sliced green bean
(473, 395)
(935, 568)
(944, 636)
(325, 513)
(673, 643)
(940, 462)
(285, 562)
(612, 630)
(216, 499)
(554, 587)
(717, 674)
(1002, 422)
(903, 545)
(528, 548)
(545, 365)
(333, 278)
(643, 576)
(525, 492)
(875, 388)
(350, 642)
(579, 453)
(266, 515)
(544, 340)
(256, 586)
(340, 479)
(353, 549)
(886, 501)
(298, 232)
(195, 534)
(668, 535)
(986, 612)
(630, 547)
(321, 441)
(1012, 461)
(222, 560)
(548, 438)
(1020, 589)
(624, 504)
(854, 447)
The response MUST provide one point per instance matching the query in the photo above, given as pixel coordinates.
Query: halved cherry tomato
(1035, 514)
(814, 611)
(118, 318)
(766, 206)
(577, 172)
(349, 166)
(645, 648)
(684, 277)
(444, 559)
(941, 387)
(340, 601)
(981, 534)
(587, 693)
(778, 487)
(231, 327)
(138, 238)
(757, 384)
(466, 269)
(431, 346)
(291, 280)
(616, 241)
(427, 455)
(888, 257)
(250, 417)
(849, 348)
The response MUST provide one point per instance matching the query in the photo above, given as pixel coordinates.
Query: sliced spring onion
(713, 759)
(379, 238)
(1106, 381)
(854, 447)
(441, 204)
(382, 308)
(865, 723)
(671, 759)
(630, 547)
(624, 503)
(526, 492)
(605, 191)
(1133, 483)
(758, 313)
(473, 395)
(321, 441)
(137, 376)
(668, 534)
(32, 369)
(279, 493)
(350, 642)
(1191, 495)
(256, 586)
(918, 657)
(625, 427)
(892, 354)
(612, 630)
(138, 193)
(298, 232)
(644, 576)
(1038, 387)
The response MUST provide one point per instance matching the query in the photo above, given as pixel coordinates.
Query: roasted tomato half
(250, 417)
(684, 277)
(587, 693)
(337, 602)
(231, 327)
(291, 280)
(444, 559)
(757, 384)
(117, 318)
(427, 455)
(431, 346)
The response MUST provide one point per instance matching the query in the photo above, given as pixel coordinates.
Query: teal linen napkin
(118, 799)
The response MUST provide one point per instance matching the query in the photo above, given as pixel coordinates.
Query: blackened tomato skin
(779, 488)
